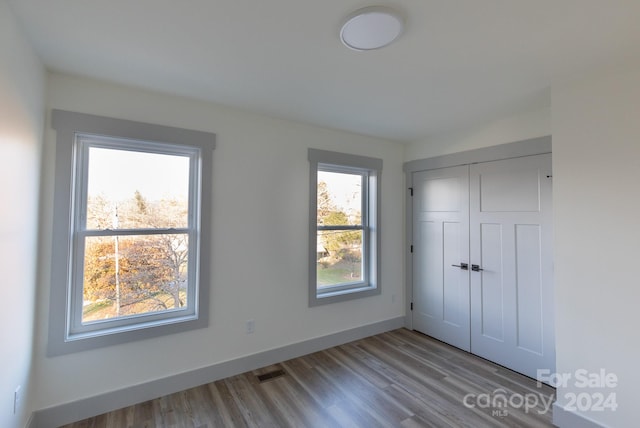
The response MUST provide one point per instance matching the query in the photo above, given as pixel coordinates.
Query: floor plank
(397, 379)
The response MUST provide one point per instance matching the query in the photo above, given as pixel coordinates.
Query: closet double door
(482, 262)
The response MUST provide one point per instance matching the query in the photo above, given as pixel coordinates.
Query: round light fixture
(371, 28)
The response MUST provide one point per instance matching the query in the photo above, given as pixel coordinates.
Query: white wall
(259, 260)
(596, 155)
(21, 122)
(530, 124)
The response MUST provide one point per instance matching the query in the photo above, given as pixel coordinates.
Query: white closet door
(512, 319)
(441, 240)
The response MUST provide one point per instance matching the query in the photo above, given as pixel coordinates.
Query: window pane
(339, 257)
(130, 190)
(339, 198)
(131, 275)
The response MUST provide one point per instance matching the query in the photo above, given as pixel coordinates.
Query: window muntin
(135, 225)
(344, 226)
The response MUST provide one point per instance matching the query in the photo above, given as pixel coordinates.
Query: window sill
(326, 297)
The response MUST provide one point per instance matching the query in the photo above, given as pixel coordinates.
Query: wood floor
(396, 379)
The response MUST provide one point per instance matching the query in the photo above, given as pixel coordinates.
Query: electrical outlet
(251, 326)
(393, 298)
(17, 396)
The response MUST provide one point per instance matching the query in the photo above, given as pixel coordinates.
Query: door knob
(476, 268)
(463, 266)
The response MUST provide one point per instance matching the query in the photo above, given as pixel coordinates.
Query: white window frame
(76, 134)
(370, 169)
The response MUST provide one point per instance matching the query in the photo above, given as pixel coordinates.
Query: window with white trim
(344, 226)
(131, 231)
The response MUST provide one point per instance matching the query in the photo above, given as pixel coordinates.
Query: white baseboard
(85, 408)
(567, 419)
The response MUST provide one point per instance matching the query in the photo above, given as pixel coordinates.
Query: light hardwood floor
(396, 379)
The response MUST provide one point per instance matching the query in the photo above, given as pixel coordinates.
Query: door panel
(510, 239)
(510, 190)
(529, 287)
(454, 291)
(429, 303)
(441, 228)
(492, 283)
(440, 194)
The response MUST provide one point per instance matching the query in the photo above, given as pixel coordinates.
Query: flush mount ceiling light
(371, 28)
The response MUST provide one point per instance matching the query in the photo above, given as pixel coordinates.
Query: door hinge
(412, 248)
(411, 305)
(411, 190)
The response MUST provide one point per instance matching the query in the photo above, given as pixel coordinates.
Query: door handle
(476, 268)
(463, 266)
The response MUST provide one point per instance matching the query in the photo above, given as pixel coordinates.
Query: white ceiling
(459, 63)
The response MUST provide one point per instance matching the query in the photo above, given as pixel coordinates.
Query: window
(131, 231)
(344, 226)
